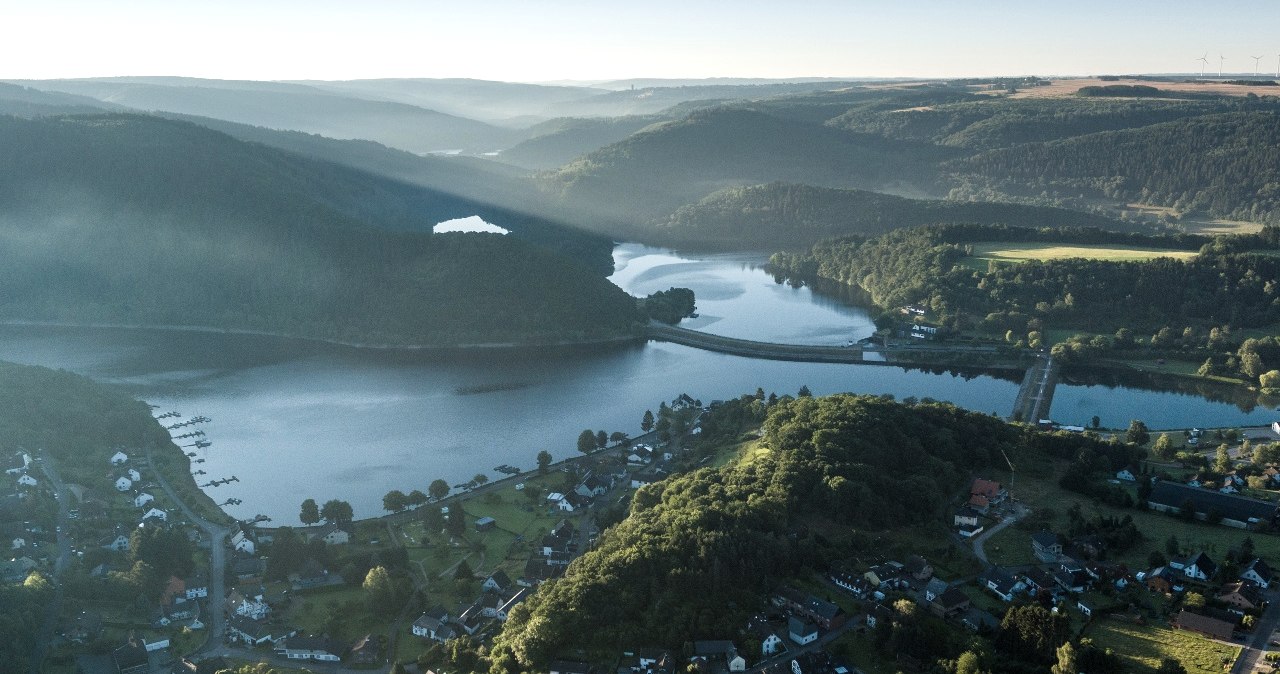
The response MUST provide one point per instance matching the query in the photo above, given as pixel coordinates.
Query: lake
(295, 420)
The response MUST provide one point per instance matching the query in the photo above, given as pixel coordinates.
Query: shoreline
(248, 332)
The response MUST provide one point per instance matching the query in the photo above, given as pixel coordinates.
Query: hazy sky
(538, 40)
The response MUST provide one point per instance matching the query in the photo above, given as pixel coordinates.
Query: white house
(27, 481)
(1126, 475)
(310, 648)
(18, 463)
(1200, 567)
(770, 644)
(133, 475)
(123, 484)
(155, 513)
(142, 500)
(802, 632)
(118, 542)
(253, 608)
(334, 534)
(1258, 572)
(119, 458)
(242, 541)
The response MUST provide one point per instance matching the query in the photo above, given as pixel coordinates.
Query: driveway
(980, 541)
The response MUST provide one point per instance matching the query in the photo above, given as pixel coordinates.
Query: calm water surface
(294, 420)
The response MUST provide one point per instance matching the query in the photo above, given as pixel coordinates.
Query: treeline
(698, 552)
(927, 266)
(1225, 165)
(1127, 91)
(790, 216)
(251, 238)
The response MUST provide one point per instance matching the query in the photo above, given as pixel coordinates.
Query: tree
(310, 512)
(544, 461)
(618, 438)
(438, 489)
(1068, 662)
(480, 479)
(1194, 600)
(1222, 461)
(804, 392)
(1171, 666)
(456, 524)
(380, 588)
(1163, 448)
(398, 668)
(1269, 379)
(335, 511)
(463, 571)
(646, 424)
(1138, 433)
(395, 501)
(602, 439)
(587, 441)
(1095, 422)
(416, 498)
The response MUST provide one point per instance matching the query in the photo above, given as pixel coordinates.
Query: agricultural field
(1004, 251)
(1146, 645)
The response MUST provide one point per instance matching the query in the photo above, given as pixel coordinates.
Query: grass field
(1146, 645)
(1002, 251)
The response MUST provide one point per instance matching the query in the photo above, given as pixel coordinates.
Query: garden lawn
(1146, 645)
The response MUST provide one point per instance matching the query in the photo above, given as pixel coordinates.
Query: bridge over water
(1031, 404)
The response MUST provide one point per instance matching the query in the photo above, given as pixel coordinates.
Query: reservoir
(295, 420)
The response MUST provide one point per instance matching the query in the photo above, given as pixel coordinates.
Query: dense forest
(556, 142)
(699, 552)
(788, 216)
(1226, 165)
(929, 266)
(252, 238)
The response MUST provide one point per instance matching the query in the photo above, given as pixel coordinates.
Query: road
(1251, 653)
(980, 541)
(54, 609)
(216, 609)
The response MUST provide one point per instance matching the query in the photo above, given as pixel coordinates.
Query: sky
(545, 40)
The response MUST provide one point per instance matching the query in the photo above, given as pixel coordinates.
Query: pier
(1036, 393)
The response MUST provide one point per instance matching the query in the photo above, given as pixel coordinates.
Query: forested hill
(665, 166)
(699, 552)
(788, 216)
(134, 219)
(1227, 165)
(558, 141)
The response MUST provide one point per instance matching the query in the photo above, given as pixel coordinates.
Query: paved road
(980, 541)
(217, 561)
(54, 609)
(1252, 652)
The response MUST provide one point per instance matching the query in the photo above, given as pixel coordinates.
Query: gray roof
(1230, 506)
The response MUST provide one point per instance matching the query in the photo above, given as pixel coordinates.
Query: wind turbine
(1221, 59)
(1256, 61)
(1204, 61)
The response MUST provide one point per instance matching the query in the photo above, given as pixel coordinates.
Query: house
(965, 517)
(593, 486)
(123, 484)
(1211, 627)
(174, 587)
(1001, 583)
(1236, 511)
(858, 586)
(1071, 576)
(244, 540)
(247, 568)
(27, 481)
(364, 651)
(17, 570)
(248, 632)
(877, 614)
(85, 628)
(485, 524)
(951, 602)
(155, 514)
(131, 658)
(934, 589)
(568, 667)
(251, 607)
(720, 652)
(1084, 608)
(511, 598)
(771, 642)
(1242, 595)
(1038, 580)
(560, 501)
(1258, 572)
(1046, 546)
(883, 574)
(918, 568)
(989, 490)
(321, 649)
(640, 455)
(1200, 567)
(118, 542)
(969, 531)
(1127, 475)
(142, 499)
(538, 571)
(16, 464)
(801, 632)
(196, 586)
(434, 624)
(119, 459)
(1161, 579)
(133, 474)
(334, 533)
(1088, 546)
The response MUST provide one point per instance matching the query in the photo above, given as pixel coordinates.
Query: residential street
(217, 562)
(54, 609)
(980, 541)
(1251, 654)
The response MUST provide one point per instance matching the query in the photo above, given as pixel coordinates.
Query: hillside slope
(108, 219)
